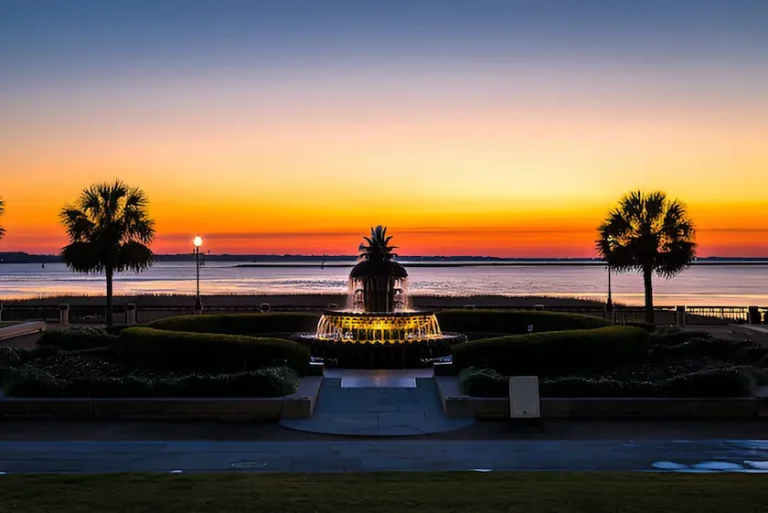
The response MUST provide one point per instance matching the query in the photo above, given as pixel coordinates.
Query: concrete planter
(298, 405)
(457, 405)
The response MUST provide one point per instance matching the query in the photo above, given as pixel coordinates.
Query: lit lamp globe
(198, 303)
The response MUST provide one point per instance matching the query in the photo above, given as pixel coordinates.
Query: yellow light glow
(399, 328)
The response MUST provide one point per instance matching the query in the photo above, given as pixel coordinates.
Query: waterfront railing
(664, 315)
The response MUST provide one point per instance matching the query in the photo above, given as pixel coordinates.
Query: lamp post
(198, 304)
(609, 301)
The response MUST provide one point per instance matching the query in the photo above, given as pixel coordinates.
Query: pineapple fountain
(378, 312)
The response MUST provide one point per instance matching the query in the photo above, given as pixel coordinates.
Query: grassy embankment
(496, 492)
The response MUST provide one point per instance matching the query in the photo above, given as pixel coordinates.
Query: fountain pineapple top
(377, 283)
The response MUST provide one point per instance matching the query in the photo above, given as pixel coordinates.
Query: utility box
(524, 397)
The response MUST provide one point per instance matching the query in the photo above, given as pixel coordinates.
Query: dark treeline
(28, 258)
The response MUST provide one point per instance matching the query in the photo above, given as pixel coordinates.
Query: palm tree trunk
(648, 281)
(109, 272)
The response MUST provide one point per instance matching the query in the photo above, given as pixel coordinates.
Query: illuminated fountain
(378, 314)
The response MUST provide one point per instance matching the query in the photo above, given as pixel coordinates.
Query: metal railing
(716, 314)
(663, 315)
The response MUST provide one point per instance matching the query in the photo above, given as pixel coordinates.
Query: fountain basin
(382, 328)
(406, 339)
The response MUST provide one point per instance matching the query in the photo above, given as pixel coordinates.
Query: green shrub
(575, 386)
(77, 337)
(266, 382)
(30, 382)
(555, 353)
(240, 324)
(647, 326)
(116, 329)
(479, 382)
(674, 336)
(205, 352)
(716, 382)
(11, 356)
(740, 352)
(514, 321)
(721, 382)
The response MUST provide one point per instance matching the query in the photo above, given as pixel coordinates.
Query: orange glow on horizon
(454, 172)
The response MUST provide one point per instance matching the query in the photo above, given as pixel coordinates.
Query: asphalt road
(384, 455)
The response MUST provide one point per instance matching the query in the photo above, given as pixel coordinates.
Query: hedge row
(29, 381)
(555, 353)
(205, 352)
(514, 322)
(732, 381)
(460, 320)
(77, 337)
(240, 324)
(743, 352)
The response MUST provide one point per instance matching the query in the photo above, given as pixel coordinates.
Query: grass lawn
(496, 492)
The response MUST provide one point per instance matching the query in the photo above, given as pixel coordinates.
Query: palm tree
(647, 232)
(110, 230)
(2, 210)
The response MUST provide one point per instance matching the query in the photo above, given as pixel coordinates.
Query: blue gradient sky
(244, 119)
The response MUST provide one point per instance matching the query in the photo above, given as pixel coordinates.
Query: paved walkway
(384, 455)
(363, 405)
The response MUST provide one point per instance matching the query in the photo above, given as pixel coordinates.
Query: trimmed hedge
(479, 382)
(205, 352)
(555, 353)
(717, 382)
(514, 322)
(77, 337)
(240, 324)
(739, 352)
(675, 336)
(29, 381)
(729, 381)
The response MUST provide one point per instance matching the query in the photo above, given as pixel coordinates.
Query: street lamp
(198, 304)
(609, 302)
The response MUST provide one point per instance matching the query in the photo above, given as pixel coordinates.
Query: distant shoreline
(483, 264)
(350, 260)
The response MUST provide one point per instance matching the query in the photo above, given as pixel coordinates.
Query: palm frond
(134, 256)
(647, 231)
(83, 257)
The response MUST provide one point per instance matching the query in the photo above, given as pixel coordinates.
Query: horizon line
(400, 257)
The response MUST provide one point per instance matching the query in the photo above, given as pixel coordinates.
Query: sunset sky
(504, 128)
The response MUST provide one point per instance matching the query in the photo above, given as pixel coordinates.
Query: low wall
(22, 329)
(457, 405)
(298, 405)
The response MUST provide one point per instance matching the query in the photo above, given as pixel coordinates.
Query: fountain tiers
(401, 327)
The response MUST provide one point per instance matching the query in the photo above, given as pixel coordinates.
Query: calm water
(699, 285)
